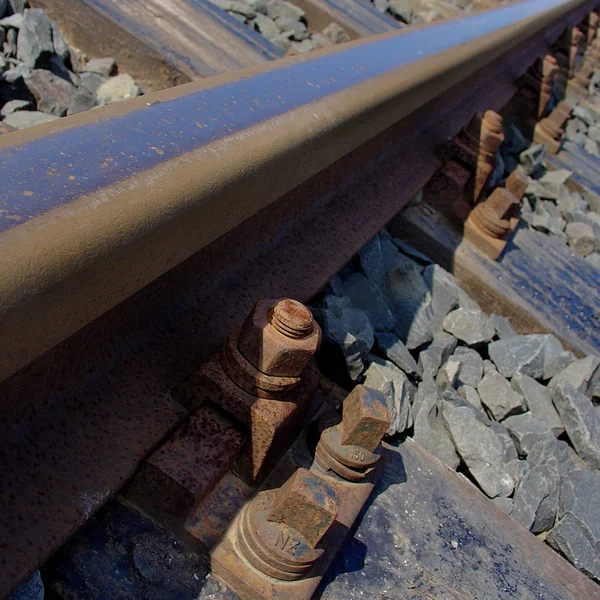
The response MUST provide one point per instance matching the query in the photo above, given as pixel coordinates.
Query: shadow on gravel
(119, 555)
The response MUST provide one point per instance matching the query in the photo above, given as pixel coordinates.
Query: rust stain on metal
(550, 130)
(516, 184)
(578, 85)
(124, 222)
(279, 531)
(205, 526)
(365, 418)
(305, 503)
(250, 379)
(113, 378)
(534, 89)
(263, 377)
(177, 476)
(467, 164)
(347, 446)
(492, 222)
(281, 543)
(279, 337)
(566, 52)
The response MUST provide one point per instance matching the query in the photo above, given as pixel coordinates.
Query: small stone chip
(539, 401)
(498, 396)
(526, 431)
(469, 326)
(581, 238)
(115, 89)
(581, 420)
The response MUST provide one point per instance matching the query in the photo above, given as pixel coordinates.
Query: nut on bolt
(281, 532)
(279, 337)
(365, 418)
(347, 447)
(305, 503)
(268, 354)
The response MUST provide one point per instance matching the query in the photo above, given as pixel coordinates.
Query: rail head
(96, 206)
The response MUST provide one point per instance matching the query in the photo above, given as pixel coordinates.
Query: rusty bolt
(516, 184)
(279, 531)
(365, 418)
(279, 337)
(347, 447)
(291, 318)
(576, 36)
(486, 132)
(593, 20)
(491, 131)
(307, 504)
(549, 67)
(494, 213)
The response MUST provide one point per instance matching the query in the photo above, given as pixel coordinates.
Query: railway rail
(137, 236)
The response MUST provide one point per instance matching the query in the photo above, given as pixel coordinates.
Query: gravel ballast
(43, 79)
(470, 390)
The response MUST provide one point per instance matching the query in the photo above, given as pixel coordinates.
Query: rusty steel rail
(143, 186)
(136, 236)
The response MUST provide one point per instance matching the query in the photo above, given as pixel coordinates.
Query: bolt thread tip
(291, 318)
(493, 121)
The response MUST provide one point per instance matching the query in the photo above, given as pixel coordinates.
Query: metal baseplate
(276, 499)
(282, 541)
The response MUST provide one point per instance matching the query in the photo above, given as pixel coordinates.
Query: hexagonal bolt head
(365, 418)
(279, 337)
(307, 504)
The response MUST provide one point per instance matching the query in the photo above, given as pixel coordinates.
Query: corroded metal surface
(263, 377)
(550, 130)
(347, 444)
(566, 52)
(140, 177)
(205, 526)
(281, 543)
(365, 418)
(495, 219)
(467, 164)
(102, 397)
(529, 103)
(279, 338)
(280, 531)
(177, 476)
(426, 532)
